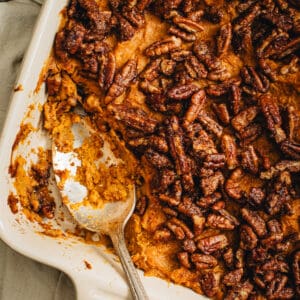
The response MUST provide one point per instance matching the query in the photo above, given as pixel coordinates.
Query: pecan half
(224, 39)
(222, 112)
(210, 124)
(244, 118)
(214, 161)
(248, 238)
(275, 236)
(230, 150)
(155, 142)
(255, 221)
(219, 222)
(179, 228)
(210, 283)
(122, 80)
(135, 117)
(210, 184)
(163, 47)
(256, 196)
(212, 244)
(233, 278)
(250, 160)
(107, 71)
(254, 80)
(182, 92)
(203, 261)
(157, 160)
(271, 112)
(175, 140)
(196, 104)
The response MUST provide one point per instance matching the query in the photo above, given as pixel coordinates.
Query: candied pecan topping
(219, 129)
(179, 228)
(255, 221)
(214, 161)
(290, 148)
(212, 244)
(188, 208)
(275, 236)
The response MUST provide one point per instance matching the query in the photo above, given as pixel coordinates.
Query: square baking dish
(105, 279)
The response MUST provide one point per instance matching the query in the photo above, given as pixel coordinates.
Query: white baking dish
(105, 280)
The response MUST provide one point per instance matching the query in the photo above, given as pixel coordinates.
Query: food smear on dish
(201, 100)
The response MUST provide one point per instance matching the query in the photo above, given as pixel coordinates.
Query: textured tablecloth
(20, 277)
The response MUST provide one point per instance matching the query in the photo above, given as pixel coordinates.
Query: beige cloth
(20, 277)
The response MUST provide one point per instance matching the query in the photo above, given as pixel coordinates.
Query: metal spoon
(110, 219)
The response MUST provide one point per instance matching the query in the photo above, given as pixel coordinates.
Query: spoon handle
(137, 289)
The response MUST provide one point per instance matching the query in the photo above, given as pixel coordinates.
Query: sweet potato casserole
(204, 97)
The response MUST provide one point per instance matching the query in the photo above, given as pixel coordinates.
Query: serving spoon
(109, 219)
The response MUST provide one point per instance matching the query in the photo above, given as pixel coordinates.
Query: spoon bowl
(112, 217)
